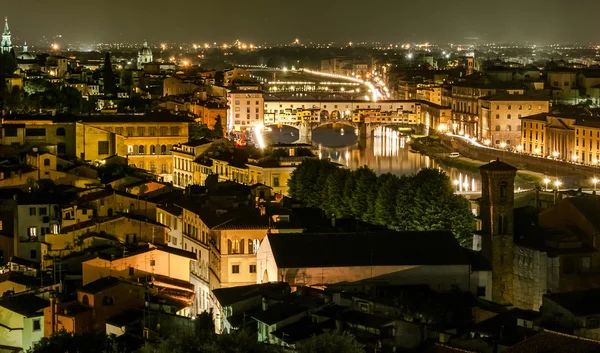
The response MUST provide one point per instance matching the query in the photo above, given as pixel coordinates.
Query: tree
(197, 131)
(108, 76)
(335, 203)
(71, 100)
(37, 85)
(64, 342)
(385, 210)
(218, 128)
(331, 342)
(363, 198)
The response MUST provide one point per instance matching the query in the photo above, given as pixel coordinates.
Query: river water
(386, 152)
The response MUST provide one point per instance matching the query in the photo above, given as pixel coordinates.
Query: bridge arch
(324, 115)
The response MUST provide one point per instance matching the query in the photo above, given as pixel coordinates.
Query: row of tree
(193, 341)
(418, 202)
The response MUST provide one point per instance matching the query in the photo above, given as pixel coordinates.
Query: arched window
(497, 142)
(508, 128)
(242, 242)
(255, 245)
(130, 149)
(235, 247)
(229, 246)
(46, 162)
(497, 116)
(141, 149)
(61, 132)
(163, 149)
(508, 116)
(497, 127)
(152, 149)
(152, 167)
(85, 300)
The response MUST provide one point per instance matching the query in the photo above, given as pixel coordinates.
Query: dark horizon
(280, 22)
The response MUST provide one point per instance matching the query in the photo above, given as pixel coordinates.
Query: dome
(145, 50)
(26, 56)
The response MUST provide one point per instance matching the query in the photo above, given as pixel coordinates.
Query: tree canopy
(419, 202)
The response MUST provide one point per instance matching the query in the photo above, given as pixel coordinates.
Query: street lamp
(546, 181)
(555, 154)
(503, 145)
(574, 157)
(595, 181)
(557, 183)
(519, 148)
(537, 151)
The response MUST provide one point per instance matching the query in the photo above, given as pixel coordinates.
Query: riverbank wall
(571, 175)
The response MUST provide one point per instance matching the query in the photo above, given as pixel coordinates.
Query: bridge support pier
(305, 133)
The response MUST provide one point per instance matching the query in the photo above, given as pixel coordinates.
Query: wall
(244, 277)
(571, 175)
(530, 278)
(165, 264)
(10, 320)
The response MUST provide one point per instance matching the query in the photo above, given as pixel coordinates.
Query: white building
(245, 109)
(37, 215)
(21, 321)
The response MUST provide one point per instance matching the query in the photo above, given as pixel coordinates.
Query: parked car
(454, 155)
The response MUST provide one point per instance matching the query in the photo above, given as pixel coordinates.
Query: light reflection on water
(386, 152)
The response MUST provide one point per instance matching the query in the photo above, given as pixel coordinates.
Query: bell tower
(497, 225)
(6, 44)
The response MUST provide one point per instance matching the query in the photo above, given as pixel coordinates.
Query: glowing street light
(557, 183)
(595, 181)
(537, 151)
(547, 181)
(503, 145)
(519, 148)
(55, 46)
(575, 158)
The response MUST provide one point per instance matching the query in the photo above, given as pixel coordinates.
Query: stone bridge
(365, 130)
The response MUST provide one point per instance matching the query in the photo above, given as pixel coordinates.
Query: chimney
(265, 304)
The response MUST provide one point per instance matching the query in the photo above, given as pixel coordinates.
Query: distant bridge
(365, 129)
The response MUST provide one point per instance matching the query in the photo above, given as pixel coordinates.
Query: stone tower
(497, 225)
(6, 44)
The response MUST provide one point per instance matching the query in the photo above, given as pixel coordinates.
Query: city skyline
(268, 21)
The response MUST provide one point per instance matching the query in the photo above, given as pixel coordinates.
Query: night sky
(280, 21)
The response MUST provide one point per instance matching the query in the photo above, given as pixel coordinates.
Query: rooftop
(497, 166)
(229, 296)
(100, 284)
(25, 304)
(380, 248)
(555, 342)
(580, 303)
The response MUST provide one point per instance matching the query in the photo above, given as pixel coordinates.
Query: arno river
(386, 153)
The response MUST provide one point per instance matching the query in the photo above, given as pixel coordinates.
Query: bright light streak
(259, 137)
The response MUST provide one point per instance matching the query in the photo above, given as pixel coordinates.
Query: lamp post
(503, 146)
(546, 181)
(456, 183)
(557, 183)
(595, 181)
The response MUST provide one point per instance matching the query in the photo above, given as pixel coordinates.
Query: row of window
(141, 131)
(154, 149)
(237, 246)
(152, 167)
(508, 128)
(235, 269)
